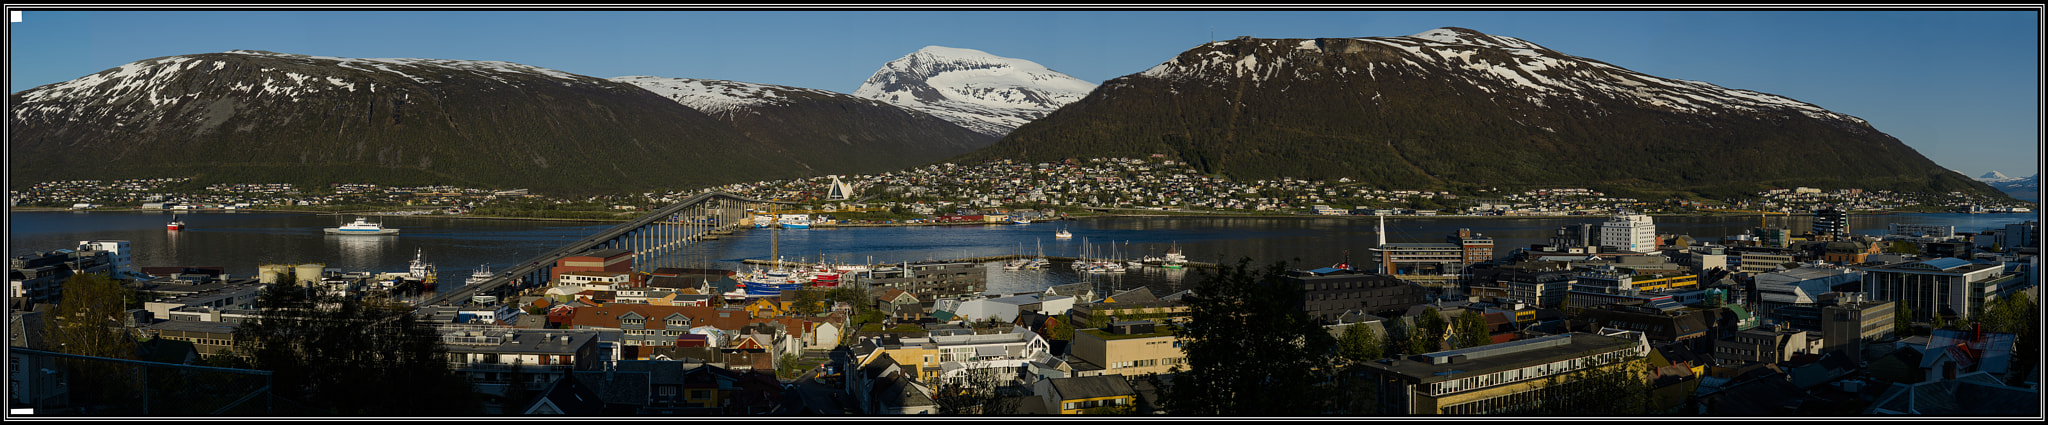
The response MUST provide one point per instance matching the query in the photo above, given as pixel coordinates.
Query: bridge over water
(660, 232)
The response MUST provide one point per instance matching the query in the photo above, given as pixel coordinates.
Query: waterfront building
(1134, 305)
(1575, 239)
(1923, 230)
(1947, 286)
(1474, 248)
(597, 260)
(930, 281)
(1629, 232)
(1500, 378)
(1128, 348)
(1830, 224)
(38, 278)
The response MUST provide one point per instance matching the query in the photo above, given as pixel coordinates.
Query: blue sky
(1961, 86)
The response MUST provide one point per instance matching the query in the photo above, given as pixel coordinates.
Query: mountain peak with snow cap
(986, 93)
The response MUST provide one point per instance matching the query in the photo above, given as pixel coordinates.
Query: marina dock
(1054, 258)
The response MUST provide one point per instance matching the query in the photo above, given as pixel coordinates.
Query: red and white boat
(175, 224)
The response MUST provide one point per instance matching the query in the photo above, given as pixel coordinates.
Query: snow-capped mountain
(1994, 177)
(1498, 66)
(817, 127)
(986, 93)
(1453, 106)
(256, 116)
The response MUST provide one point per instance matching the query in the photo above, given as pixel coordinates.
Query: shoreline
(1071, 218)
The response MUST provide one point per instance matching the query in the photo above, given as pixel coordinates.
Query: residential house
(1971, 394)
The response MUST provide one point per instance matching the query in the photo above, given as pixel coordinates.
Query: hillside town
(1776, 322)
(1116, 185)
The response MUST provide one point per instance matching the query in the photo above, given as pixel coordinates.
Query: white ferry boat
(361, 226)
(796, 221)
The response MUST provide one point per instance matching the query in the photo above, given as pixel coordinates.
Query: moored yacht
(361, 226)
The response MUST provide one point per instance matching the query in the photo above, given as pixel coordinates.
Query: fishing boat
(175, 224)
(1019, 220)
(361, 226)
(1063, 235)
(1174, 258)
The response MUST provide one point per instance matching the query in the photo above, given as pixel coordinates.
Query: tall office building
(1830, 222)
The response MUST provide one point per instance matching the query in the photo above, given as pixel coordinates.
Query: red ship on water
(175, 224)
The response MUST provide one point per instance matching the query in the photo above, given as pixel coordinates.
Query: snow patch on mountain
(723, 98)
(986, 93)
(138, 91)
(1508, 61)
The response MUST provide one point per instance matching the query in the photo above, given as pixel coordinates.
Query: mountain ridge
(1455, 107)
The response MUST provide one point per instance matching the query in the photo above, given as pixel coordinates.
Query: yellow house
(765, 307)
(1073, 396)
(914, 355)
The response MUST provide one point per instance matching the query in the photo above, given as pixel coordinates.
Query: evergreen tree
(1250, 352)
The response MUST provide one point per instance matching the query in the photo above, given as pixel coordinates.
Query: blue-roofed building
(1948, 286)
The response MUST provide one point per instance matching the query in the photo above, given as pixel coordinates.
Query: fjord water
(241, 241)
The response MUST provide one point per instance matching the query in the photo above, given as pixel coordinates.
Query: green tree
(1902, 320)
(344, 356)
(1250, 352)
(978, 391)
(808, 302)
(2017, 313)
(89, 321)
(1430, 329)
(90, 318)
(1061, 331)
(1470, 330)
(1360, 344)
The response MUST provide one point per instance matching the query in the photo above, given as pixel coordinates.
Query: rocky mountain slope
(821, 129)
(254, 116)
(1453, 107)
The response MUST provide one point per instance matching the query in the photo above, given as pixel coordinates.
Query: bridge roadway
(538, 270)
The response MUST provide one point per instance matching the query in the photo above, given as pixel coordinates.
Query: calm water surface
(241, 241)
